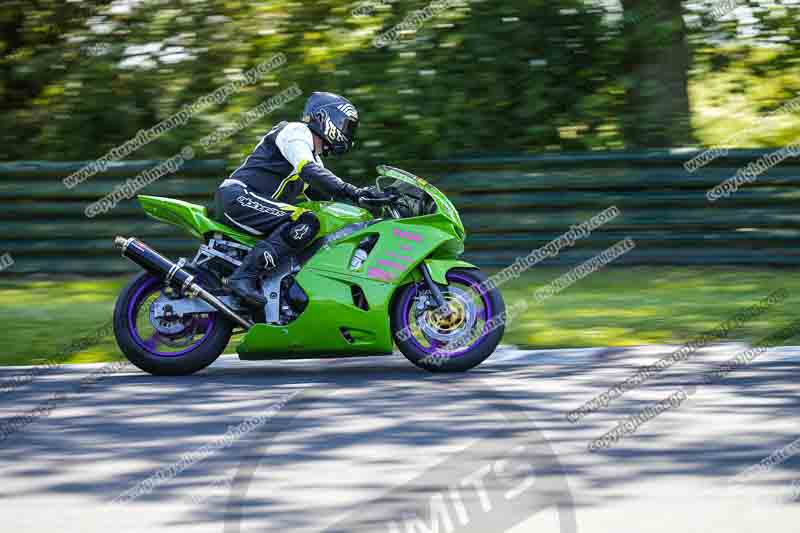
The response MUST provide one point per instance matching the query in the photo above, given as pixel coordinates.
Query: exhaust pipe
(174, 274)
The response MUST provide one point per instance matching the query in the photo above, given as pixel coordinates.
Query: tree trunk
(657, 112)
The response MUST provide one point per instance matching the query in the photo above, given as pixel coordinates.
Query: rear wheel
(455, 341)
(173, 347)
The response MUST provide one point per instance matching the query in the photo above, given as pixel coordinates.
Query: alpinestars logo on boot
(269, 260)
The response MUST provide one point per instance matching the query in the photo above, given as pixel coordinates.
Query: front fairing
(444, 206)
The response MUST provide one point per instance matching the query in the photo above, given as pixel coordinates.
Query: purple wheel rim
(146, 289)
(435, 345)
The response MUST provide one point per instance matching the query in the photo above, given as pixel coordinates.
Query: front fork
(439, 306)
(436, 292)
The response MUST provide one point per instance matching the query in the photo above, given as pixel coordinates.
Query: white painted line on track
(504, 356)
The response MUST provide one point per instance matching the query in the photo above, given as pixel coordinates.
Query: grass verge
(616, 306)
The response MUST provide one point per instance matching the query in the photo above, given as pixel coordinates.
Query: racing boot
(244, 280)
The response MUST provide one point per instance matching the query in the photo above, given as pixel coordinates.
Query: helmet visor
(349, 127)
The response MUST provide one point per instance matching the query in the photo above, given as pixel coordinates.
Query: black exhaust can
(154, 262)
(173, 274)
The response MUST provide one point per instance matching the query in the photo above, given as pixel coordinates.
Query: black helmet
(334, 118)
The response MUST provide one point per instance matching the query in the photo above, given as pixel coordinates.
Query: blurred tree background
(480, 77)
(518, 76)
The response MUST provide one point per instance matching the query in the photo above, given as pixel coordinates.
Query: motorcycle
(388, 274)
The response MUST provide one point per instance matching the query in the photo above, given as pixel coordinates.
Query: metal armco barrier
(510, 206)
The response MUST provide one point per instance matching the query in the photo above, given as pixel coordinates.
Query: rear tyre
(165, 348)
(453, 342)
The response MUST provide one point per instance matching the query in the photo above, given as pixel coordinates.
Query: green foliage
(520, 76)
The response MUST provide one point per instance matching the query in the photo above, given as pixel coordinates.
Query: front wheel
(454, 341)
(162, 347)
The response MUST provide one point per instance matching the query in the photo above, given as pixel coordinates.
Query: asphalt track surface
(374, 444)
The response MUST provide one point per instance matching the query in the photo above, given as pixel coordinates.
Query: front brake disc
(433, 331)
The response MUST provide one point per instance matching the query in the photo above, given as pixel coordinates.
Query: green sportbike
(374, 277)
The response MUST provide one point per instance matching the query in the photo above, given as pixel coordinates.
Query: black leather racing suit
(258, 196)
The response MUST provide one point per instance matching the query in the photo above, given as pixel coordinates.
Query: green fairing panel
(400, 247)
(333, 216)
(328, 282)
(318, 332)
(194, 218)
(191, 217)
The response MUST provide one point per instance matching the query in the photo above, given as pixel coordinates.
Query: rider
(258, 196)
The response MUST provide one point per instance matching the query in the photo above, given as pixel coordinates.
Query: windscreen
(414, 202)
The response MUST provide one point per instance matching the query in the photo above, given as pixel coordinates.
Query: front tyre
(454, 341)
(176, 347)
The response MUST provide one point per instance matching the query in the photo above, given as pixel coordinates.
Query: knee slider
(299, 233)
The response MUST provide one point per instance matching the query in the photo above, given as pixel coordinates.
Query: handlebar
(378, 202)
(376, 205)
